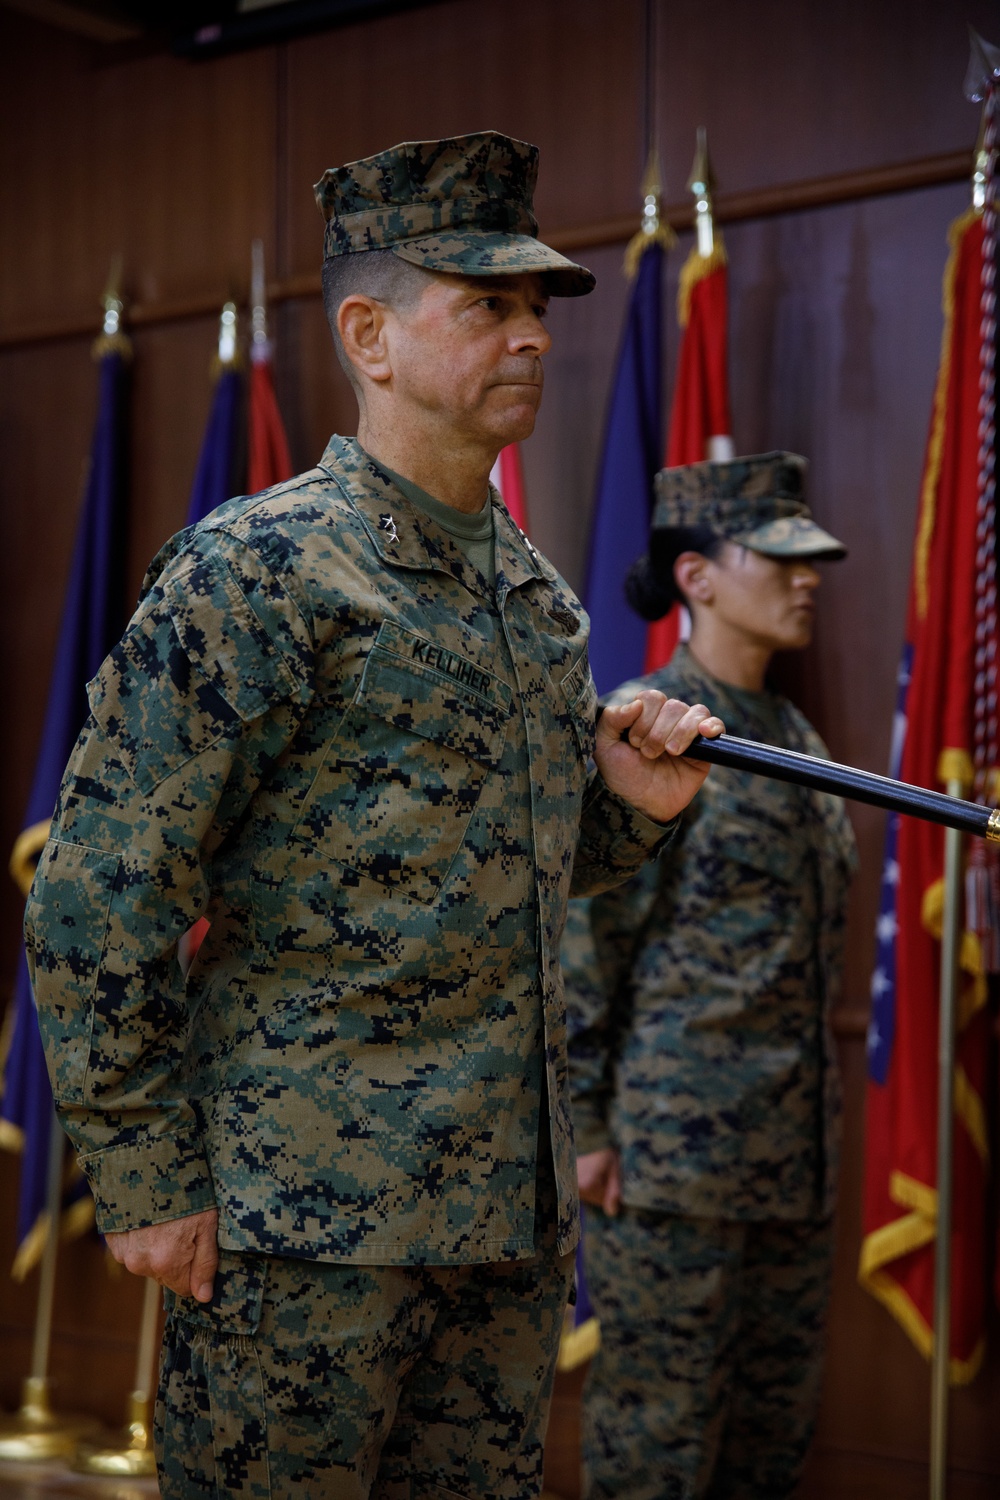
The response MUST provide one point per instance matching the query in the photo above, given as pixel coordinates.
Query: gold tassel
(694, 269)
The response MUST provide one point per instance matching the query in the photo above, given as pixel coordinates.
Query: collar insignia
(388, 525)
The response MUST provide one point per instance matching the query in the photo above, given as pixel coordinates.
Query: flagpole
(940, 1364)
(35, 1434)
(133, 1455)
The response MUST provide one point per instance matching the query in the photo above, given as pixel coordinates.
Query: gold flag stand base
(132, 1457)
(35, 1434)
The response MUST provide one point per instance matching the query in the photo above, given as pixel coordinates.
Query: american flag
(882, 1026)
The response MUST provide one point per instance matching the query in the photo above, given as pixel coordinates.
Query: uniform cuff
(147, 1182)
(628, 836)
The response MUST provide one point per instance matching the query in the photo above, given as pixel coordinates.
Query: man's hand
(182, 1253)
(638, 752)
(599, 1179)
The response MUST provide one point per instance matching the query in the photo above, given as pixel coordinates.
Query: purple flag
(93, 619)
(633, 449)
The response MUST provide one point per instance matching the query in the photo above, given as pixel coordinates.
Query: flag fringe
(29, 1251)
(881, 1285)
(577, 1345)
(971, 1111)
(970, 958)
(695, 269)
(75, 1219)
(956, 765)
(11, 1135)
(27, 847)
(903, 1236)
(112, 343)
(935, 443)
(643, 240)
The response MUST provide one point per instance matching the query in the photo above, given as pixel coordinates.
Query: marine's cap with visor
(757, 501)
(461, 205)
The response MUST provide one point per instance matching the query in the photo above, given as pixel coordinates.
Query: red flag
(268, 459)
(699, 418)
(897, 1255)
(508, 477)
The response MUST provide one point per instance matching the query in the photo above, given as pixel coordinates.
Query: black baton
(846, 781)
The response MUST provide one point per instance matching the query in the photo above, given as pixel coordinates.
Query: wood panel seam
(758, 203)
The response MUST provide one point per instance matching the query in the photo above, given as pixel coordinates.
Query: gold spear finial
(708, 252)
(112, 338)
(702, 184)
(652, 229)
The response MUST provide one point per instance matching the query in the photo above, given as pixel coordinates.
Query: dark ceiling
(202, 27)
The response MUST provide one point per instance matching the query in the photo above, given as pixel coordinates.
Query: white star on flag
(886, 927)
(873, 1040)
(880, 983)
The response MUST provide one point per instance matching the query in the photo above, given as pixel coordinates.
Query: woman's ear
(361, 323)
(693, 578)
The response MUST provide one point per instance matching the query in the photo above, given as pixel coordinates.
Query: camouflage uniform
(699, 997)
(325, 729)
(417, 1380)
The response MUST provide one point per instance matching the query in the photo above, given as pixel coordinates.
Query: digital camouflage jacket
(699, 992)
(324, 730)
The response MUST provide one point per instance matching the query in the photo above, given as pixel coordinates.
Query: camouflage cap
(757, 501)
(461, 205)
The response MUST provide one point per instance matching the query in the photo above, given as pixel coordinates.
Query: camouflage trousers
(309, 1380)
(707, 1381)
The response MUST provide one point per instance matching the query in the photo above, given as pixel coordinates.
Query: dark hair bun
(650, 591)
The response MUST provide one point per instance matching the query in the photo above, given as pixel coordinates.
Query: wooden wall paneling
(520, 67)
(788, 90)
(169, 162)
(46, 415)
(315, 394)
(172, 396)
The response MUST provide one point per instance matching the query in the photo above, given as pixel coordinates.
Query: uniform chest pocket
(404, 772)
(756, 848)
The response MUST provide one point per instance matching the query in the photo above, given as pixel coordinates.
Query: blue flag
(217, 477)
(633, 452)
(92, 621)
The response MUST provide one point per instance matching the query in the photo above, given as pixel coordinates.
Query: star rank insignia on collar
(388, 525)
